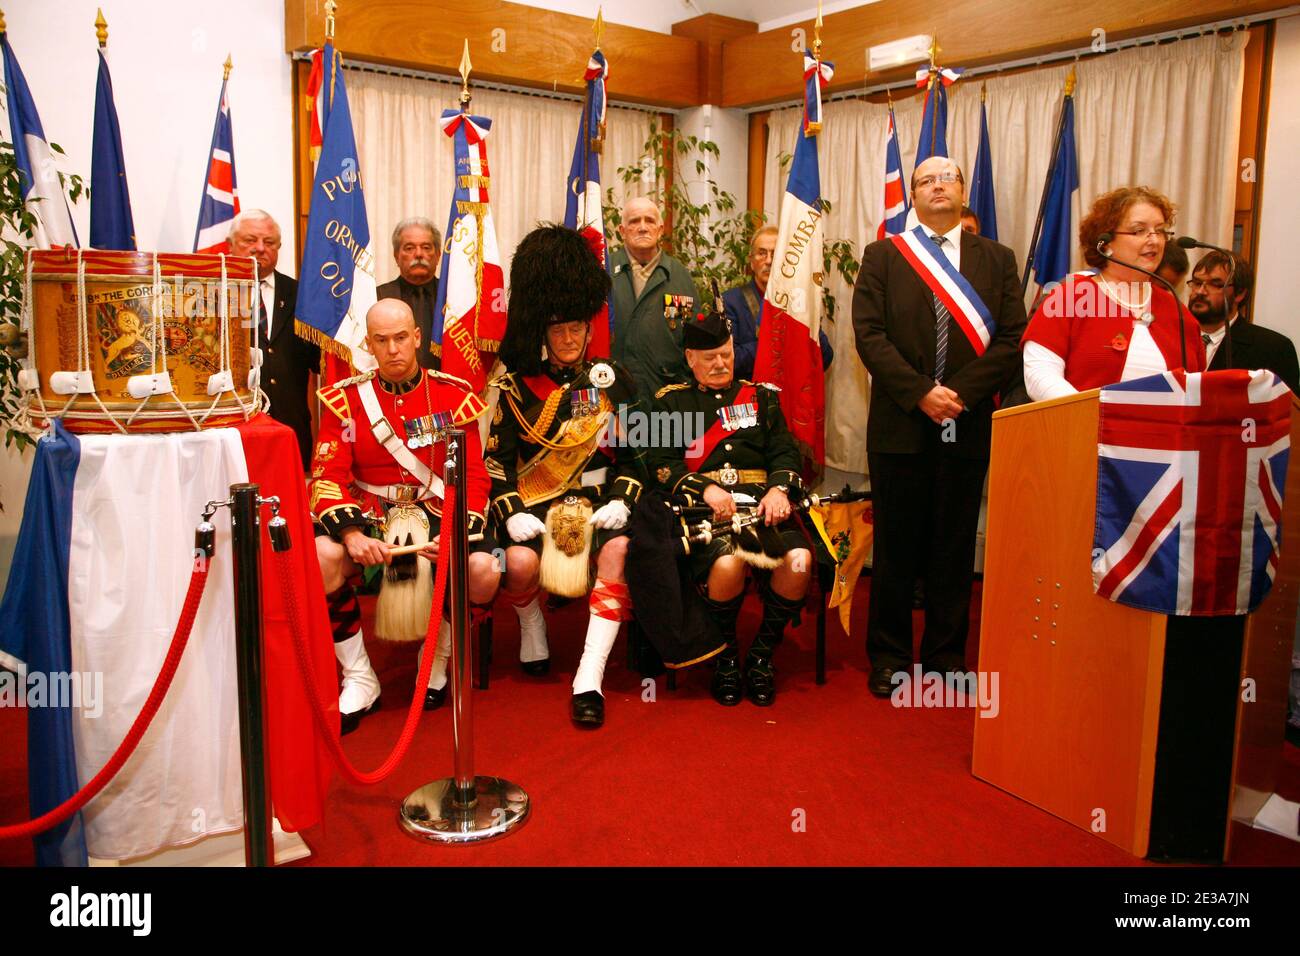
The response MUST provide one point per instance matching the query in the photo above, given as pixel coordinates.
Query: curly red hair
(1107, 213)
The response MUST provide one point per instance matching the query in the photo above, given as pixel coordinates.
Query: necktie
(264, 319)
(940, 326)
(1206, 339)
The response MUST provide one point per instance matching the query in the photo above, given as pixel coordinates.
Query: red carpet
(680, 781)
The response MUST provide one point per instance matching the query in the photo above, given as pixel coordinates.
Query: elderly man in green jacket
(654, 296)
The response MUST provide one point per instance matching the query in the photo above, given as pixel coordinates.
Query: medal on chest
(584, 402)
(424, 431)
(744, 415)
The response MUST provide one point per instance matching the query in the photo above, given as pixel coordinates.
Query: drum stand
(463, 808)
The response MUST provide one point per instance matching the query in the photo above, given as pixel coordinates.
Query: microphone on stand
(1104, 240)
(1187, 242)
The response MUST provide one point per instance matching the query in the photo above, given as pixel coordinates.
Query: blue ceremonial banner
(1052, 258)
(41, 189)
(981, 183)
(111, 224)
(584, 206)
(336, 283)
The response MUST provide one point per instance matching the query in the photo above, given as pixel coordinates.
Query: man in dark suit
(288, 361)
(416, 247)
(744, 305)
(1217, 294)
(929, 424)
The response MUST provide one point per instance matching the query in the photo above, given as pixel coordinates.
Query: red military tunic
(347, 450)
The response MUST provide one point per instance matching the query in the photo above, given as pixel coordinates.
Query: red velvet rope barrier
(161, 684)
(330, 733)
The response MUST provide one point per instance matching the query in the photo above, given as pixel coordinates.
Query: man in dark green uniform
(745, 458)
(563, 483)
(654, 297)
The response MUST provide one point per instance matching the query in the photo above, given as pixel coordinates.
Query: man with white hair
(288, 360)
(654, 297)
(938, 315)
(417, 243)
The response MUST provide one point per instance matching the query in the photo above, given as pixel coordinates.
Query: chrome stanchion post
(463, 808)
(245, 529)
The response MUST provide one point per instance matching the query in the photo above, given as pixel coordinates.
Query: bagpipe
(752, 539)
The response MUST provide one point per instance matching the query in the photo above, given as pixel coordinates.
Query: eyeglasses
(1216, 285)
(945, 178)
(1164, 235)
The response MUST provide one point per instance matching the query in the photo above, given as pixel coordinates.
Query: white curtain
(406, 159)
(1165, 116)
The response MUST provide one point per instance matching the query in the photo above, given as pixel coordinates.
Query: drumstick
(407, 549)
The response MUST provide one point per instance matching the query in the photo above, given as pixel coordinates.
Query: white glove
(524, 527)
(610, 517)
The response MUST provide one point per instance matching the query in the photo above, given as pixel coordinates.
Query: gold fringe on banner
(467, 208)
(473, 182)
(325, 342)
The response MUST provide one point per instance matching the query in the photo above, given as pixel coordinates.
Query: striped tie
(941, 316)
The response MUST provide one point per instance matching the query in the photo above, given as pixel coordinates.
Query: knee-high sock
(724, 614)
(610, 604)
(778, 611)
(344, 613)
(441, 654)
(532, 625)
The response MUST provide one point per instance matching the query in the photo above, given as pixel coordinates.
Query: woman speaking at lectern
(1115, 324)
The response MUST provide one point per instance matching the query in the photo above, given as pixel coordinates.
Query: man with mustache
(1217, 294)
(416, 247)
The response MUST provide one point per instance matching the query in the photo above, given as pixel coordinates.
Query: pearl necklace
(1141, 311)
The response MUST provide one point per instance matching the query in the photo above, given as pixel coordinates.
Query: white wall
(165, 59)
(1275, 263)
(730, 169)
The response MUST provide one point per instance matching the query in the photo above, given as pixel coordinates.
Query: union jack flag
(220, 203)
(894, 218)
(1191, 473)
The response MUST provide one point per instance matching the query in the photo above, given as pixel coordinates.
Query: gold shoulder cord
(536, 434)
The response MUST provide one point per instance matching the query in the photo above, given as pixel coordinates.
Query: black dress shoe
(760, 683)
(588, 708)
(881, 683)
(726, 686)
(433, 699)
(350, 722)
(536, 668)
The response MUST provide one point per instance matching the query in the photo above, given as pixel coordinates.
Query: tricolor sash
(717, 431)
(953, 289)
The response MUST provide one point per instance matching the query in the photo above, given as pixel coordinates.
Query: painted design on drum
(123, 336)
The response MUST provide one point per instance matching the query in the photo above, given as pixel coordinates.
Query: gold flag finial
(226, 67)
(598, 27)
(817, 32)
(3, 28)
(984, 92)
(465, 67)
(1071, 79)
(934, 51)
(101, 28)
(330, 7)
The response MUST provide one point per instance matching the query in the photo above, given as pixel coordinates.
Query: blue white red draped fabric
(1191, 476)
(584, 208)
(789, 350)
(220, 203)
(893, 219)
(111, 223)
(817, 76)
(934, 118)
(337, 287)
(947, 75)
(99, 577)
(954, 290)
(470, 316)
(38, 174)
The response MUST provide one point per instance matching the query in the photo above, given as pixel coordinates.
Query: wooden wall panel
(970, 32)
(538, 48)
(712, 31)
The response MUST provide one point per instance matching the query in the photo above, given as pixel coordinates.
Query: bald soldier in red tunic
(379, 460)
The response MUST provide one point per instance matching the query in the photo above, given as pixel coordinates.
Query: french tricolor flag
(584, 210)
(99, 577)
(220, 203)
(789, 352)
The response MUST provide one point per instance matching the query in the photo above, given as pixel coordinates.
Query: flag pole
(226, 68)
(465, 67)
(929, 90)
(1070, 80)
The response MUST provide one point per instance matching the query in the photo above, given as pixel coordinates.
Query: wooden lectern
(1130, 724)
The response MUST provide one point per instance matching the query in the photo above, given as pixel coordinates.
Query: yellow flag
(847, 530)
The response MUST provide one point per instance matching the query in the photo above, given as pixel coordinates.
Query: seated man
(558, 490)
(747, 450)
(744, 305)
(379, 448)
